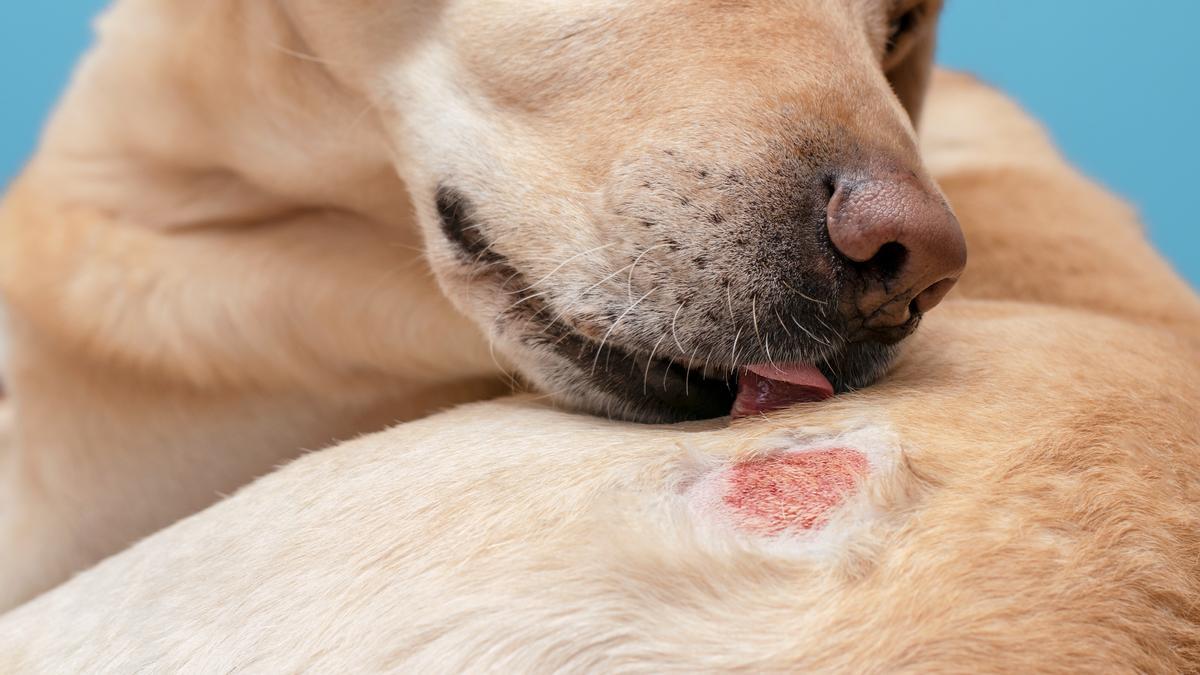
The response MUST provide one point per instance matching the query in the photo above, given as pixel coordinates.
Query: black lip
(659, 390)
(462, 229)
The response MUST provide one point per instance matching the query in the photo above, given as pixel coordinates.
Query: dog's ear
(910, 74)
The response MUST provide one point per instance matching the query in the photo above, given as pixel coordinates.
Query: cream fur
(1043, 514)
(226, 250)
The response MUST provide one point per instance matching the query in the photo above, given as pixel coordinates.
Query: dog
(254, 229)
(1021, 493)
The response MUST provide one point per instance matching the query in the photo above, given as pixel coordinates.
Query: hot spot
(789, 492)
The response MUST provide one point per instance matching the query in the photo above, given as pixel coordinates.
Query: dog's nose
(904, 241)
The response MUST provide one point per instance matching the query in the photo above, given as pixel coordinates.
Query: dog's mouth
(632, 385)
(622, 381)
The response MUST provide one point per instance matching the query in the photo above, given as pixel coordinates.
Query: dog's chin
(630, 385)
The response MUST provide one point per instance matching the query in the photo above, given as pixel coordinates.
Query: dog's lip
(756, 388)
(650, 386)
(763, 388)
(662, 393)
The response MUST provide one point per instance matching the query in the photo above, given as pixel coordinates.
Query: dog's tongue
(763, 388)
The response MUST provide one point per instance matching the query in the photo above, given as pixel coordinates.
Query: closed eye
(901, 27)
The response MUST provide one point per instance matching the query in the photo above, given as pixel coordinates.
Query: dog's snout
(903, 241)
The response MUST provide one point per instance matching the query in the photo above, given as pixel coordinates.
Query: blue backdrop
(1115, 81)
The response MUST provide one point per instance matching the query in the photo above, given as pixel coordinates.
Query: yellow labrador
(255, 228)
(1021, 494)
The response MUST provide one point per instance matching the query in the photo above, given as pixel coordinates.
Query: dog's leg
(210, 266)
(102, 456)
(154, 370)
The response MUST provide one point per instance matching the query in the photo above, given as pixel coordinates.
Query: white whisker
(806, 297)
(840, 336)
(633, 267)
(754, 321)
(510, 378)
(687, 375)
(613, 327)
(300, 55)
(518, 303)
(673, 333)
(649, 361)
(667, 370)
(564, 264)
(782, 324)
(579, 296)
(810, 333)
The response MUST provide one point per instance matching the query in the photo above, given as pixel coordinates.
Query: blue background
(1117, 82)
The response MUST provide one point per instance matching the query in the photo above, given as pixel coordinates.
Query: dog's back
(1021, 494)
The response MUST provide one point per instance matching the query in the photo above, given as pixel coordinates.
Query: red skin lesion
(790, 492)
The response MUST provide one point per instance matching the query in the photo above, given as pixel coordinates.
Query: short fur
(1043, 515)
(225, 251)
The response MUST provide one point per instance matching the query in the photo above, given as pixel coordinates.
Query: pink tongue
(763, 388)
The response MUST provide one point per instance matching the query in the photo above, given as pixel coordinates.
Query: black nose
(903, 242)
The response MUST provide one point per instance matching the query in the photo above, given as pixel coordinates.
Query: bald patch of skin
(781, 494)
(791, 492)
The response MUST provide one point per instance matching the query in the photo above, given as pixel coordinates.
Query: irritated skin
(791, 492)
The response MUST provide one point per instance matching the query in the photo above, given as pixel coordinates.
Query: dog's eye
(901, 26)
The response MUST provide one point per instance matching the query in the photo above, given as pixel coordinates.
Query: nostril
(930, 297)
(887, 262)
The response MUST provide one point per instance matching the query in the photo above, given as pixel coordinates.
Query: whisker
(646, 375)
(564, 264)
(522, 301)
(407, 247)
(825, 360)
(687, 374)
(300, 55)
(667, 370)
(810, 333)
(807, 297)
(841, 338)
(579, 296)
(754, 320)
(733, 319)
(479, 268)
(782, 324)
(673, 333)
(633, 267)
(357, 119)
(510, 378)
(613, 327)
